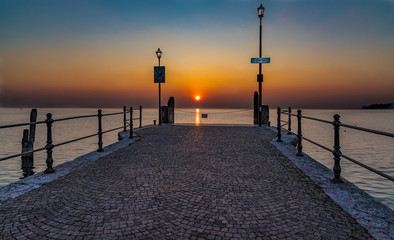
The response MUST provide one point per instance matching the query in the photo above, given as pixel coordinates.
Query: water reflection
(197, 116)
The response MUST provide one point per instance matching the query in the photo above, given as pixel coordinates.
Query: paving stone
(182, 182)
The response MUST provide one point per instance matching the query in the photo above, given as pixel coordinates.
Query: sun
(197, 98)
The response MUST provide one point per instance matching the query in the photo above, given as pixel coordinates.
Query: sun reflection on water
(197, 116)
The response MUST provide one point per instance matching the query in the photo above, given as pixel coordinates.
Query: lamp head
(261, 11)
(158, 53)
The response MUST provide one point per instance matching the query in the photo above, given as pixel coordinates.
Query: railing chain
(49, 142)
(336, 151)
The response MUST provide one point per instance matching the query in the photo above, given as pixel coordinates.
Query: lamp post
(158, 54)
(260, 76)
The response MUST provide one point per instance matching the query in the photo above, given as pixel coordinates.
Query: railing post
(289, 126)
(124, 119)
(100, 131)
(49, 145)
(279, 127)
(337, 152)
(299, 135)
(131, 122)
(140, 116)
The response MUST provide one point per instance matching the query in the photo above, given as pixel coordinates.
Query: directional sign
(260, 60)
(160, 75)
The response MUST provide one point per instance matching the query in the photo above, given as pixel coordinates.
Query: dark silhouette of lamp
(260, 76)
(158, 54)
(260, 10)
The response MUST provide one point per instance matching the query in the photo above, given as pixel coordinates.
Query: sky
(100, 53)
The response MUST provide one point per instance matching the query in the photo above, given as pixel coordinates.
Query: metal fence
(127, 122)
(336, 150)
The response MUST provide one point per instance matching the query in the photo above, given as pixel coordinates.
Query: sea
(373, 150)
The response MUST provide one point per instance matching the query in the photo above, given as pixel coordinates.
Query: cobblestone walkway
(182, 182)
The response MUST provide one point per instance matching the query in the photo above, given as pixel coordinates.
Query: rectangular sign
(260, 60)
(204, 115)
(160, 73)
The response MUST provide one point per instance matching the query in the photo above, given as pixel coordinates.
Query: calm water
(373, 150)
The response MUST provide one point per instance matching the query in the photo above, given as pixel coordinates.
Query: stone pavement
(182, 182)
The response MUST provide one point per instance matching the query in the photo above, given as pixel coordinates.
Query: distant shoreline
(379, 106)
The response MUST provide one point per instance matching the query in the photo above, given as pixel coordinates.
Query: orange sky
(309, 68)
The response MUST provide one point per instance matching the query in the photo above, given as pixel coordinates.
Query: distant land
(379, 106)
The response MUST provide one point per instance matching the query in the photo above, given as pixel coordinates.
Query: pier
(183, 182)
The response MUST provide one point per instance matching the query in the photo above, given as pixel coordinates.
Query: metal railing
(336, 150)
(127, 122)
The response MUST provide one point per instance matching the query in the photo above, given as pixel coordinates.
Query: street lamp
(260, 11)
(158, 54)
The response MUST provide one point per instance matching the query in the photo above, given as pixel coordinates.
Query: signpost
(159, 73)
(159, 77)
(260, 60)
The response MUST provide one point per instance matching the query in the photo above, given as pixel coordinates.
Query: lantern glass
(158, 53)
(261, 11)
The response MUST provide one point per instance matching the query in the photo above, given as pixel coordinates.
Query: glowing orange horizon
(92, 78)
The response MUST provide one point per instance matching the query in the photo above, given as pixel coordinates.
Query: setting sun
(197, 98)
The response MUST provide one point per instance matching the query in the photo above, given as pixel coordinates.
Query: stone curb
(374, 216)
